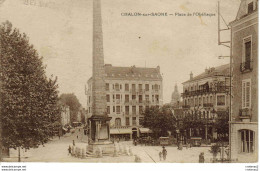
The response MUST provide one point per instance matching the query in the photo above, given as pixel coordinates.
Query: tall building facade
(206, 97)
(129, 90)
(244, 52)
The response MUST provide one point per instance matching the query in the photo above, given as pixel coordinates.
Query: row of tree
(29, 102)
(161, 121)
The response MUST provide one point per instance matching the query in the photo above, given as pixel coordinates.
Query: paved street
(57, 151)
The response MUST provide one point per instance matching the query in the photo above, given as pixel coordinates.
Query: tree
(29, 99)
(159, 120)
(72, 101)
(222, 125)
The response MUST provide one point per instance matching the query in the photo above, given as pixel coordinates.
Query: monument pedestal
(99, 136)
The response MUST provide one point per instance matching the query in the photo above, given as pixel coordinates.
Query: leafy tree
(159, 120)
(29, 99)
(72, 101)
(221, 125)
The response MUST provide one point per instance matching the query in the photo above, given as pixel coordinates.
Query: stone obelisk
(99, 122)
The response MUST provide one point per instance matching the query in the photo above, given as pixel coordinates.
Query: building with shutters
(129, 90)
(244, 53)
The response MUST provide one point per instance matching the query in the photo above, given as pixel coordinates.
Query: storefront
(121, 134)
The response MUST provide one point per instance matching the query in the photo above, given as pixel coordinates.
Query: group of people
(163, 153)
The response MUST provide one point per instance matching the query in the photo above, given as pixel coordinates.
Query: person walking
(201, 158)
(69, 150)
(73, 142)
(164, 152)
(160, 155)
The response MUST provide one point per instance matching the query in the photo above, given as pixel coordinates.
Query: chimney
(158, 68)
(191, 75)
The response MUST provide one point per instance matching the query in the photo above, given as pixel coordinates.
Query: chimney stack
(191, 75)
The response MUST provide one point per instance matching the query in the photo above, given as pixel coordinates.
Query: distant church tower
(175, 96)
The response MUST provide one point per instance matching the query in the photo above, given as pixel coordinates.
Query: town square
(94, 81)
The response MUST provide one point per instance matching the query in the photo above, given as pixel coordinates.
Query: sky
(61, 32)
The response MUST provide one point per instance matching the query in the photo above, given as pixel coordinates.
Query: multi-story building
(244, 52)
(65, 115)
(206, 97)
(129, 90)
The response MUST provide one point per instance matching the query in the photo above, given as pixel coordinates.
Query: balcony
(133, 102)
(127, 102)
(208, 105)
(117, 101)
(246, 66)
(217, 89)
(133, 91)
(245, 113)
(186, 106)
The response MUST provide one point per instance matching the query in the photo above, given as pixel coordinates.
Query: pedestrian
(201, 158)
(77, 137)
(164, 152)
(73, 142)
(160, 155)
(69, 149)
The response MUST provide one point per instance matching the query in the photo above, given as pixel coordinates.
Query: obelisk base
(100, 136)
(106, 147)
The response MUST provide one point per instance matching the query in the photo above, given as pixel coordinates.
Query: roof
(132, 72)
(222, 70)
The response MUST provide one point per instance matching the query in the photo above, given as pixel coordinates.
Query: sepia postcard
(113, 81)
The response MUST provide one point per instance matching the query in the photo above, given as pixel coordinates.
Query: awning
(120, 131)
(145, 130)
(65, 129)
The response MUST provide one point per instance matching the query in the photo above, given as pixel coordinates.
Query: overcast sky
(62, 33)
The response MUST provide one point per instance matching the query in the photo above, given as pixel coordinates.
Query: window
(118, 122)
(118, 109)
(140, 109)
(211, 99)
(157, 98)
(247, 54)
(126, 110)
(134, 121)
(140, 98)
(126, 87)
(156, 87)
(133, 87)
(246, 93)
(140, 87)
(118, 96)
(108, 109)
(107, 86)
(133, 97)
(247, 141)
(114, 110)
(127, 123)
(108, 98)
(117, 87)
(126, 98)
(146, 87)
(120, 86)
(133, 110)
(250, 7)
(221, 100)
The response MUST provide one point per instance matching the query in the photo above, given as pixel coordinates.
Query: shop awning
(120, 131)
(145, 130)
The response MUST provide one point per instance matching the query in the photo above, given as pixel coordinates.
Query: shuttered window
(246, 93)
